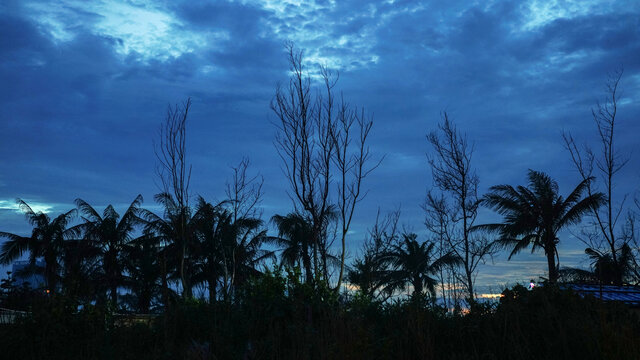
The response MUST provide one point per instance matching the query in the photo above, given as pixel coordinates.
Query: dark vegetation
(277, 318)
(206, 280)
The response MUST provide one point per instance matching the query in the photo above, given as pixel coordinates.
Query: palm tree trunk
(306, 262)
(49, 273)
(182, 278)
(417, 285)
(114, 293)
(551, 262)
(144, 301)
(470, 289)
(165, 286)
(212, 289)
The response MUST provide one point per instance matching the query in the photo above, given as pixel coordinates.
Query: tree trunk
(470, 289)
(186, 291)
(212, 289)
(49, 273)
(306, 262)
(114, 293)
(553, 270)
(144, 301)
(417, 285)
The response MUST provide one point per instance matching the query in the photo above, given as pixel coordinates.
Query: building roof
(627, 294)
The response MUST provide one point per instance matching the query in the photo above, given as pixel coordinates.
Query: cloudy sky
(84, 86)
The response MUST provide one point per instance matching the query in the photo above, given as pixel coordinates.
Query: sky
(85, 85)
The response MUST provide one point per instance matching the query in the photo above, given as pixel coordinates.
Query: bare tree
(454, 177)
(244, 192)
(315, 143)
(384, 233)
(352, 168)
(172, 168)
(174, 173)
(439, 221)
(604, 165)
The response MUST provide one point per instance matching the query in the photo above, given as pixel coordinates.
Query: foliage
(16, 297)
(534, 215)
(414, 263)
(279, 317)
(47, 240)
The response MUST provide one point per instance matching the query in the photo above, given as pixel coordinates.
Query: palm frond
(13, 248)
(88, 210)
(576, 212)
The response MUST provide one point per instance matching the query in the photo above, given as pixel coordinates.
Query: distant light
(532, 285)
(47, 291)
(488, 296)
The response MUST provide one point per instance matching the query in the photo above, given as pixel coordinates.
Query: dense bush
(276, 317)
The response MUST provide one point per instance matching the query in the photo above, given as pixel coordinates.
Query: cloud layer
(85, 86)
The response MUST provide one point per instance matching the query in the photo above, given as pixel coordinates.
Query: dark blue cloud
(82, 95)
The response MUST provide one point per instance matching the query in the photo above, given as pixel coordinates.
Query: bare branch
(607, 162)
(452, 223)
(321, 156)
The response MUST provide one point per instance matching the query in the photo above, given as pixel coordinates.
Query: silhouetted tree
(47, 240)
(224, 252)
(321, 155)
(242, 234)
(174, 173)
(294, 235)
(534, 215)
(367, 271)
(81, 270)
(414, 263)
(442, 223)
(605, 270)
(454, 176)
(211, 224)
(602, 268)
(144, 274)
(110, 234)
(174, 234)
(243, 246)
(244, 192)
(605, 163)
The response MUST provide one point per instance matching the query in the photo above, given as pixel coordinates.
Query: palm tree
(414, 263)
(47, 240)
(110, 234)
(603, 268)
(229, 250)
(303, 244)
(141, 264)
(608, 271)
(243, 246)
(159, 232)
(534, 215)
(81, 269)
(294, 235)
(210, 223)
(365, 273)
(175, 230)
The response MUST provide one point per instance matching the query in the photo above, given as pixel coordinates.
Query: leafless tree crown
(451, 213)
(321, 157)
(603, 164)
(244, 192)
(172, 169)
